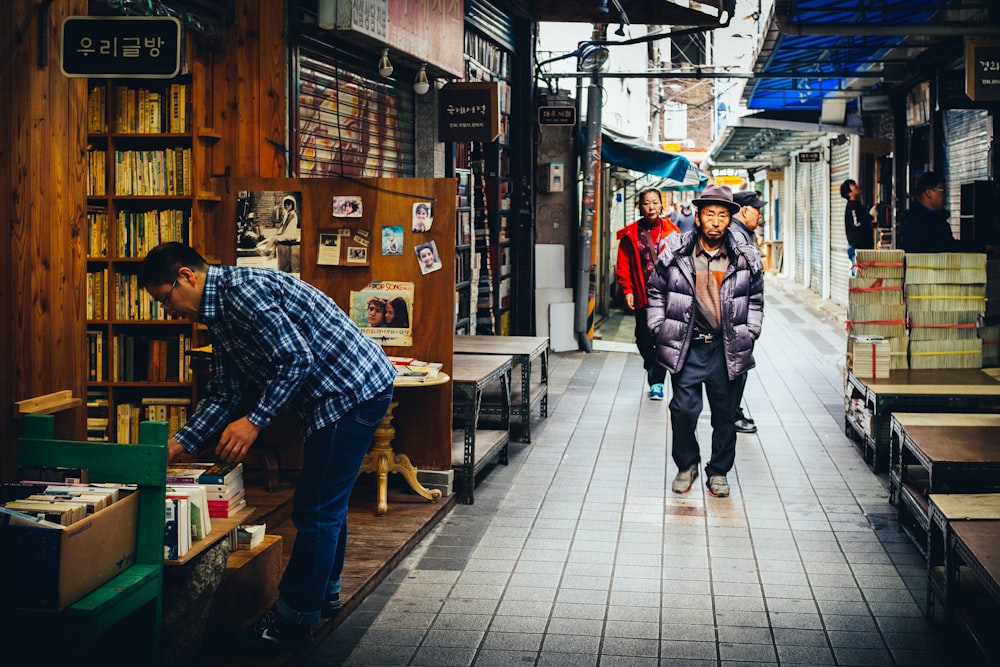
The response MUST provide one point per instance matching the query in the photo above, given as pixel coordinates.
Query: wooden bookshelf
(141, 185)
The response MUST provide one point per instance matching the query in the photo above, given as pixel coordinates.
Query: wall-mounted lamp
(384, 64)
(420, 84)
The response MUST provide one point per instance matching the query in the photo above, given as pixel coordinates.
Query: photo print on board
(392, 240)
(347, 206)
(427, 257)
(423, 216)
(269, 229)
(384, 312)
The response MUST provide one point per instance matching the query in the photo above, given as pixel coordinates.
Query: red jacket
(628, 270)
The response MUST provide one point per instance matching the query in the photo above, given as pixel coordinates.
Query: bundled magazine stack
(989, 333)
(945, 296)
(876, 313)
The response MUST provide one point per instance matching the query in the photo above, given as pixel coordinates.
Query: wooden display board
(423, 417)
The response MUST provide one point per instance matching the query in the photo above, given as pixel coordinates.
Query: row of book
(133, 302)
(97, 172)
(138, 232)
(164, 172)
(222, 482)
(139, 110)
(58, 503)
(136, 358)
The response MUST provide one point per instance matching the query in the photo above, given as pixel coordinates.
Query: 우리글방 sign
(141, 47)
(469, 112)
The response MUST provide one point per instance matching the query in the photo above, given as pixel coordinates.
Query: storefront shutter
(801, 222)
(491, 21)
(350, 123)
(817, 225)
(967, 155)
(840, 265)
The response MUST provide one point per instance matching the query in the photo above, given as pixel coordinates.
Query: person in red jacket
(637, 251)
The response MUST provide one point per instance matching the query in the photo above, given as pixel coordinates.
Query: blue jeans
(705, 365)
(332, 458)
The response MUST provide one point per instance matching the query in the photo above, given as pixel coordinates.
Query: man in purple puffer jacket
(706, 305)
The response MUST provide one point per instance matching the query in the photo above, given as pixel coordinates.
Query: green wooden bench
(136, 593)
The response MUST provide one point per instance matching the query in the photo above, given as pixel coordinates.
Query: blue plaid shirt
(278, 336)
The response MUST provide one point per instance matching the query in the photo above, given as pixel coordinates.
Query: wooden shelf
(220, 531)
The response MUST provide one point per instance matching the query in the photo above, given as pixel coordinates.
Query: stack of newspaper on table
(875, 305)
(871, 356)
(410, 370)
(945, 295)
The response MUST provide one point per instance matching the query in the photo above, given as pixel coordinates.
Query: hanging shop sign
(809, 156)
(982, 70)
(108, 47)
(469, 112)
(556, 115)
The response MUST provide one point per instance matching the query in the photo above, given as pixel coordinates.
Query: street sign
(109, 47)
(809, 156)
(469, 111)
(556, 115)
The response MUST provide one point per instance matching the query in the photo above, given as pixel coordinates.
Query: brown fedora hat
(720, 195)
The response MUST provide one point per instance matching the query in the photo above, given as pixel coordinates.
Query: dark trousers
(739, 384)
(705, 366)
(646, 342)
(332, 459)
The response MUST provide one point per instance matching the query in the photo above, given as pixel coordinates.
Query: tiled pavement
(578, 554)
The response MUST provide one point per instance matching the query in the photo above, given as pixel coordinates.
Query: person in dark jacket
(706, 306)
(924, 227)
(858, 222)
(637, 250)
(744, 225)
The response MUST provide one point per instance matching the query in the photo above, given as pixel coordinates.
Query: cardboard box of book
(50, 567)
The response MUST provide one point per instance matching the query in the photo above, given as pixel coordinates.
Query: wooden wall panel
(423, 418)
(44, 144)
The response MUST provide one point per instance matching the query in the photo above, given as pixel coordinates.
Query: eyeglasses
(165, 300)
(938, 189)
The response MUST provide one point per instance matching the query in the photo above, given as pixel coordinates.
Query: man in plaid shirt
(284, 344)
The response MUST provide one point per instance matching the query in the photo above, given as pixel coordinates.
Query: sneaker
(684, 479)
(332, 605)
(742, 415)
(744, 425)
(656, 392)
(718, 486)
(271, 632)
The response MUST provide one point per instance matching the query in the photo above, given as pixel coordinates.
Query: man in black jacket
(924, 227)
(858, 222)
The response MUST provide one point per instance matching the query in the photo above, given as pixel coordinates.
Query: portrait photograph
(427, 257)
(347, 206)
(423, 216)
(269, 229)
(392, 240)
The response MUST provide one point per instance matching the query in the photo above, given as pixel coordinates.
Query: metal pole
(583, 298)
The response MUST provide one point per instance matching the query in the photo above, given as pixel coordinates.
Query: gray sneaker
(684, 479)
(718, 486)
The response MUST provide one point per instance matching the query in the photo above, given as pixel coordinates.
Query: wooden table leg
(382, 460)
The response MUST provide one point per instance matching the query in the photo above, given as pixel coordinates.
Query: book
(62, 513)
(170, 544)
(186, 473)
(201, 523)
(221, 473)
(249, 536)
(226, 512)
(228, 503)
(53, 474)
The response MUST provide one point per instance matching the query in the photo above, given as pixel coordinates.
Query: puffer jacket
(671, 310)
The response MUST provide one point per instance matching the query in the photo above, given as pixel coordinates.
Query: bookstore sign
(109, 47)
(982, 70)
(469, 112)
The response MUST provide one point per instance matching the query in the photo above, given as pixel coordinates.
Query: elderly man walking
(706, 305)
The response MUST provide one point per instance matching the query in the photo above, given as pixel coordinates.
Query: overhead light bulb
(420, 84)
(384, 64)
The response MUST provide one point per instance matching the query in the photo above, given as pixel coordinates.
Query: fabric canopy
(640, 155)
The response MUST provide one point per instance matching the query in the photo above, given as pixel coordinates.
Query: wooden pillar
(42, 184)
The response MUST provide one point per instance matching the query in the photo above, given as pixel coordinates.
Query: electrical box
(552, 176)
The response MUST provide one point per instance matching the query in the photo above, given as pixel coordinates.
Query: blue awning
(640, 155)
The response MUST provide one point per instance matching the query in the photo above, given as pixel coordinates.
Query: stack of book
(223, 483)
(875, 304)
(413, 370)
(945, 295)
(871, 356)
